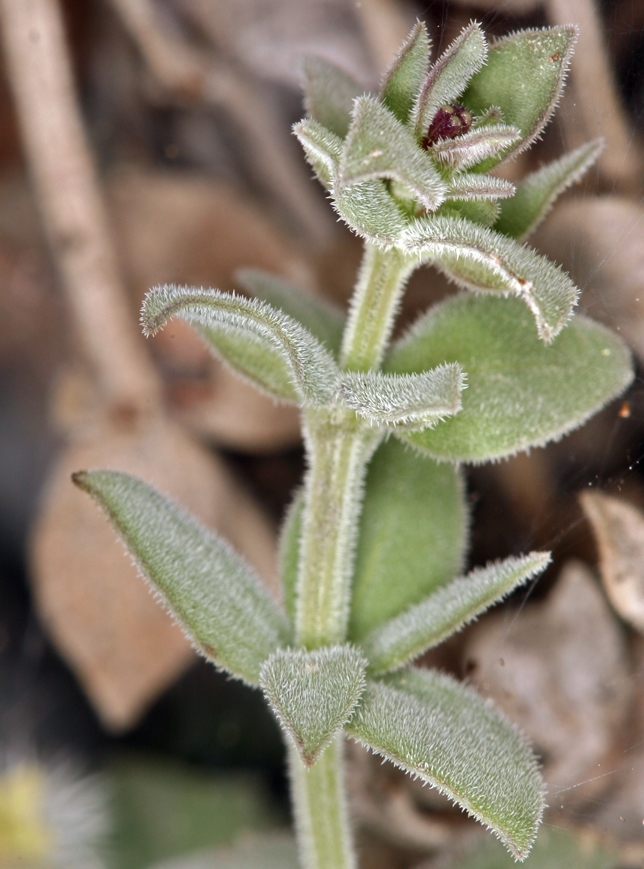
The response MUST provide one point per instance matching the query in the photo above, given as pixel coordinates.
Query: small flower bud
(449, 121)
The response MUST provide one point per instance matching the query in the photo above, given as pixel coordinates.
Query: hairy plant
(373, 546)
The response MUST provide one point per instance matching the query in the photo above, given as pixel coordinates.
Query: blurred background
(118, 747)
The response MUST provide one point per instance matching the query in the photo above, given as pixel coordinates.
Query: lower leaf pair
(422, 721)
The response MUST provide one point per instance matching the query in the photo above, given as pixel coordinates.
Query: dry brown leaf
(619, 530)
(99, 613)
(559, 670)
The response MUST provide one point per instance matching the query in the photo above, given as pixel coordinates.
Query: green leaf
(468, 149)
(485, 212)
(471, 186)
(433, 727)
(328, 94)
(412, 536)
(371, 212)
(404, 78)
(262, 344)
(520, 393)
(412, 402)
(320, 317)
(449, 76)
(480, 259)
(313, 694)
(537, 192)
(217, 597)
(322, 149)
(447, 610)
(379, 146)
(289, 551)
(524, 76)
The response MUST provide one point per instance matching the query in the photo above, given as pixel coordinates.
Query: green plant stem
(338, 451)
(374, 306)
(339, 447)
(321, 817)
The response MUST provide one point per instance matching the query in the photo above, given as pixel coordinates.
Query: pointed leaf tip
(404, 78)
(217, 597)
(447, 611)
(313, 693)
(329, 92)
(445, 734)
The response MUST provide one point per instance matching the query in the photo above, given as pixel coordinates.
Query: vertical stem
(338, 453)
(339, 446)
(321, 816)
(374, 306)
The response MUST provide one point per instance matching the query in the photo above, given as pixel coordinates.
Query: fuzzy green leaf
(484, 212)
(328, 94)
(380, 146)
(520, 393)
(322, 149)
(412, 402)
(447, 610)
(468, 149)
(313, 694)
(449, 76)
(471, 186)
(524, 76)
(433, 727)
(538, 191)
(371, 212)
(216, 596)
(412, 535)
(480, 259)
(404, 78)
(262, 344)
(320, 317)
(289, 551)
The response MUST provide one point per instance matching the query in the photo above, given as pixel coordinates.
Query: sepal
(473, 147)
(449, 76)
(378, 145)
(404, 78)
(472, 186)
(524, 76)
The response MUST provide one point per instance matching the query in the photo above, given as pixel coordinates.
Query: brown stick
(66, 188)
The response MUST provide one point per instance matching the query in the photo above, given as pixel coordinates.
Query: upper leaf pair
(281, 356)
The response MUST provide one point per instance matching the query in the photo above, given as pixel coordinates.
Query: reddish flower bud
(449, 121)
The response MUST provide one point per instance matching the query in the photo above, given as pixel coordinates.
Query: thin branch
(67, 190)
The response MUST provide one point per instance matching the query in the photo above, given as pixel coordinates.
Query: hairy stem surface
(339, 447)
(321, 816)
(375, 303)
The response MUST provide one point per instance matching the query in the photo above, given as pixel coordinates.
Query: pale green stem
(321, 816)
(374, 306)
(339, 446)
(338, 453)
